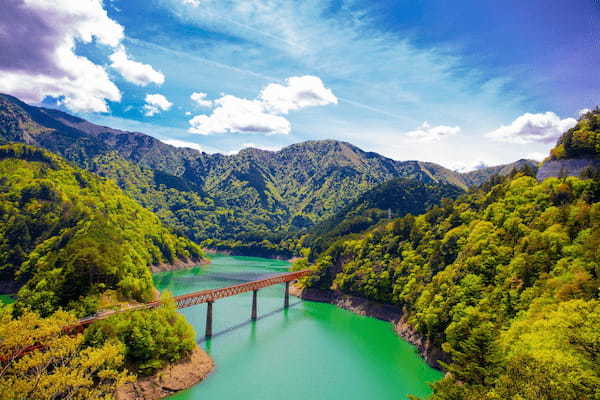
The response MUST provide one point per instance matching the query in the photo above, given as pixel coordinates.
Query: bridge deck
(203, 296)
(183, 301)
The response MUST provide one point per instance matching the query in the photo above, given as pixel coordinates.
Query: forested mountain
(70, 239)
(578, 150)
(393, 198)
(254, 202)
(482, 175)
(504, 279)
(581, 141)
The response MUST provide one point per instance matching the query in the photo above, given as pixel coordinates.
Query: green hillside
(581, 141)
(255, 202)
(69, 239)
(396, 197)
(504, 279)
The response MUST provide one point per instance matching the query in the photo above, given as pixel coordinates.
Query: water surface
(7, 299)
(309, 351)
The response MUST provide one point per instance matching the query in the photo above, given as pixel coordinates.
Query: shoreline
(170, 379)
(233, 254)
(178, 265)
(385, 312)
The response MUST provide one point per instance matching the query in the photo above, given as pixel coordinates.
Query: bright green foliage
(255, 202)
(152, 338)
(68, 235)
(64, 369)
(396, 197)
(583, 140)
(517, 254)
(553, 352)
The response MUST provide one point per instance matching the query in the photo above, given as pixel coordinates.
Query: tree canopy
(504, 279)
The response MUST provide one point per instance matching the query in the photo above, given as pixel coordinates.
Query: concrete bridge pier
(209, 318)
(286, 296)
(254, 295)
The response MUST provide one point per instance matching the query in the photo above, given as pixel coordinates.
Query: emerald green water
(309, 351)
(6, 299)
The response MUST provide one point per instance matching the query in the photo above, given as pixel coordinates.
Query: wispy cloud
(428, 133)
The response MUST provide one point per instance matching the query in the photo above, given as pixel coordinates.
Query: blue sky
(460, 83)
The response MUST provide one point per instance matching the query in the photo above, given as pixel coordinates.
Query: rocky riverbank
(178, 264)
(170, 379)
(358, 305)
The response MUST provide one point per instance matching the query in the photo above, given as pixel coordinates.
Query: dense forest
(504, 279)
(581, 141)
(255, 202)
(394, 198)
(73, 243)
(72, 239)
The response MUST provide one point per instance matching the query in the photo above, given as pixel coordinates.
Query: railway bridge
(209, 297)
(187, 300)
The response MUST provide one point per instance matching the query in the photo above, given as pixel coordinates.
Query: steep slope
(504, 279)
(397, 197)
(577, 151)
(68, 237)
(254, 201)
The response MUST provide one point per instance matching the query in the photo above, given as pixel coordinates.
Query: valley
(474, 266)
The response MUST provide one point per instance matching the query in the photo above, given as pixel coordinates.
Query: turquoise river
(309, 351)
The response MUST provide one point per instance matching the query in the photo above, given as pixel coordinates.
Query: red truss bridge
(187, 300)
(209, 297)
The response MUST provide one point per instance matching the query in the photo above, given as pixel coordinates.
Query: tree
(61, 366)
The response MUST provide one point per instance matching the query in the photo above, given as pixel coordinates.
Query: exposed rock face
(566, 167)
(169, 380)
(358, 305)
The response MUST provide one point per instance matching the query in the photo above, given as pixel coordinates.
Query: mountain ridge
(213, 198)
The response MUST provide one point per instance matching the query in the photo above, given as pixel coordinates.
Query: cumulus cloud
(200, 99)
(263, 114)
(298, 92)
(428, 133)
(233, 114)
(183, 143)
(156, 103)
(133, 71)
(531, 128)
(49, 31)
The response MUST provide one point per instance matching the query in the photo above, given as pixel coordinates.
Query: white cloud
(49, 31)
(530, 128)
(200, 99)
(156, 103)
(428, 133)
(298, 92)
(193, 3)
(536, 155)
(133, 71)
(584, 111)
(261, 147)
(183, 143)
(262, 115)
(468, 166)
(233, 114)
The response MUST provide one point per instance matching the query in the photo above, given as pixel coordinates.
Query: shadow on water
(245, 323)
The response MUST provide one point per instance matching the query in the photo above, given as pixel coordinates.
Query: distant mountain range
(250, 197)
